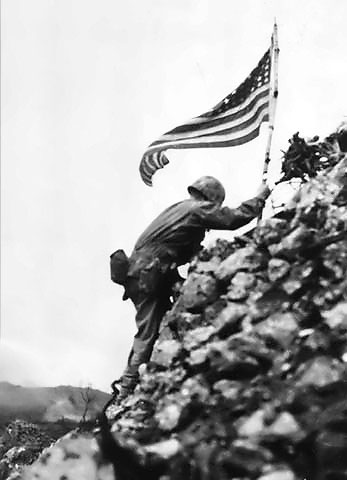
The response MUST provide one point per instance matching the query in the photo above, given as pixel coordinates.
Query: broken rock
(280, 327)
(228, 321)
(320, 372)
(277, 269)
(270, 231)
(240, 286)
(245, 259)
(196, 337)
(165, 352)
(229, 389)
(293, 243)
(199, 291)
(337, 316)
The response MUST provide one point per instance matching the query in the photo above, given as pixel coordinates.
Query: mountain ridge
(48, 404)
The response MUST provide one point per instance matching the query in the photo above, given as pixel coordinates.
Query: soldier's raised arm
(225, 218)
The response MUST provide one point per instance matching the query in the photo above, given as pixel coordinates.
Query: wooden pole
(272, 101)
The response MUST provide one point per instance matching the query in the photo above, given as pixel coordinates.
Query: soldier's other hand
(263, 191)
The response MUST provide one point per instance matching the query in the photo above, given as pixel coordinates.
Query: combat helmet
(209, 188)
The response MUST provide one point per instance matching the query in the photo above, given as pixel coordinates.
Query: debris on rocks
(304, 159)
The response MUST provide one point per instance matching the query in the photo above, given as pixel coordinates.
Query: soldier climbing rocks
(171, 240)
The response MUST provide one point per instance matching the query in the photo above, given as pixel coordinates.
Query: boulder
(240, 286)
(246, 259)
(165, 352)
(199, 291)
(320, 372)
(279, 327)
(278, 268)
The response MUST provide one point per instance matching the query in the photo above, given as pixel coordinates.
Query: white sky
(86, 86)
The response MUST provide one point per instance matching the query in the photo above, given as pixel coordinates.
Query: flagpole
(272, 102)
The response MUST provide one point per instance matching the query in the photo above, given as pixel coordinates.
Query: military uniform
(172, 239)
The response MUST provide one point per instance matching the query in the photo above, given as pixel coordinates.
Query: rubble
(20, 445)
(306, 158)
(248, 378)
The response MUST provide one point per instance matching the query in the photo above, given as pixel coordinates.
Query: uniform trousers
(151, 303)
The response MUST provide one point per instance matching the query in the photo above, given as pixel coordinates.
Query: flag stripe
(225, 127)
(213, 137)
(148, 173)
(232, 114)
(234, 121)
(225, 141)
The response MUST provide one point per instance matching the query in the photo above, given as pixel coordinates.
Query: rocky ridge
(248, 379)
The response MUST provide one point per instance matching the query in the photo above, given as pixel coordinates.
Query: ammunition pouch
(152, 273)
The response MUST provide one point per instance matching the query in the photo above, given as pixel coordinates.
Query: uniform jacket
(174, 237)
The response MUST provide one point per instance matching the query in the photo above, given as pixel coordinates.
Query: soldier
(172, 239)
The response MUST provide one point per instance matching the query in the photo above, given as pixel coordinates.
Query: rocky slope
(248, 379)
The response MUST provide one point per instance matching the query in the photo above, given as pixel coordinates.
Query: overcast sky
(86, 86)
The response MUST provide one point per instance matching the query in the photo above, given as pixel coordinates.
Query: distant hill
(48, 404)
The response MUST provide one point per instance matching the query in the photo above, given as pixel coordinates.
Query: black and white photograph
(173, 240)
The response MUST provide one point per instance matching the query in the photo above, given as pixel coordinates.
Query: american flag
(233, 121)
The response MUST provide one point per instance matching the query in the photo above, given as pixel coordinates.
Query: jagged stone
(199, 291)
(165, 449)
(222, 249)
(245, 259)
(212, 311)
(172, 408)
(252, 345)
(280, 327)
(258, 425)
(233, 365)
(229, 319)
(165, 352)
(229, 389)
(208, 267)
(320, 372)
(198, 358)
(331, 295)
(316, 341)
(335, 261)
(272, 300)
(166, 378)
(254, 425)
(293, 243)
(277, 269)
(286, 426)
(183, 322)
(299, 275)
(337, 316)
(199, 335)
(270, 231)
(195, 387)
(240, 286)
(169, 416)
